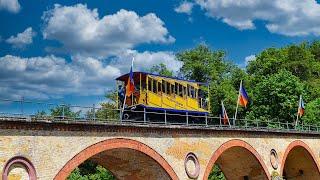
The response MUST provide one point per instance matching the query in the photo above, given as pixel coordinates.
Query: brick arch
(229, 144)
(111, 144)
(19, 160)
(291, 146)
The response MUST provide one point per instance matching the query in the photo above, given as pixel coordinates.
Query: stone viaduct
(51, 150)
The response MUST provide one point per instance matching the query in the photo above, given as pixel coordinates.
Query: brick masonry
(54, 149)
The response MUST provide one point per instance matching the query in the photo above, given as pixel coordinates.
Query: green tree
(276, 97)
(227, 90)
(223, 91)
(40, 114)
(161, 69)
(302, 61)
(90, 170)
(205, 65)
(312, 113)
(268, 62)
(108, 110)
(299, 61)
(65, 110)
(76, 175)
(315, 50)
(202, 64)
(216, 174)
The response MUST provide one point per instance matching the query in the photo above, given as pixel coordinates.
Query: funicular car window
(192, 92)
(143, 85)
(149, 84)
(172, 89)
(159, 87)
(164, 89)
(188, 90)
(168, 88)
(196, 93)
(180, 90)
(184, 91)
(154, 86)
(176, 88)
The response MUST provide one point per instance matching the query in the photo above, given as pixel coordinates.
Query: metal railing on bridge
(24, 110)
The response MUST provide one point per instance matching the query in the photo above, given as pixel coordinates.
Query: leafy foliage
(202, 64)
(40, 114)
(276, 97)
(226, 89)
(108, 108)
(303, 61)
(205, 65)
(161, 69)
(89, 170)
(216, 174)
(312, 113)
(64, 110)
(279, 75)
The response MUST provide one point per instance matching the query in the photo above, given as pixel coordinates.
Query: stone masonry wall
(50, 147)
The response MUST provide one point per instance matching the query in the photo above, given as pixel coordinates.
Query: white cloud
(54, 77)
(51, 76)
(89, 39)
(82, 31)
(145, 60)
(290, 18)
(184, 7)
(249, 58)
(10, 5)
(22, 39)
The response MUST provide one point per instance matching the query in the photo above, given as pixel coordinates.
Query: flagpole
(235, 115)
(226, 112)
(124, 103)
(221, 114)
(133, 92)
(125, 95)
(298, 111)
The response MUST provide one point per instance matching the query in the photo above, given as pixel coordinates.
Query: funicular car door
(168, 96)
(180, 97)
(154, 92)
(192, 101)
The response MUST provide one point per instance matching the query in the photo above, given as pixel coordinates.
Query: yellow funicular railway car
(155, 95)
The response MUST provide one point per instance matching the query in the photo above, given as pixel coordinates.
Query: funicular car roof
(136, 76)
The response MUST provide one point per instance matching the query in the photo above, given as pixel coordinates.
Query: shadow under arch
(113, 145)
(239, 145)
(303, 167)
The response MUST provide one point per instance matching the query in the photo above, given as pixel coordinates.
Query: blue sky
(71, 51)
